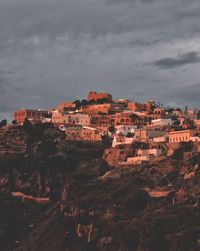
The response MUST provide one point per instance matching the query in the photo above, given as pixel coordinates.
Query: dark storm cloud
(189, 13)
(129, 1)
(187, 94)
(3, 84)
(58, 50)
(183, 59)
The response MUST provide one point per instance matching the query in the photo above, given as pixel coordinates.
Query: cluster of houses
(122, 120)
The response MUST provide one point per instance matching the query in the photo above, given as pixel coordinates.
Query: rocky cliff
(90, 205)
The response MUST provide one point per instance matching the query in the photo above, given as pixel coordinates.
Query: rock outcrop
(92, 206)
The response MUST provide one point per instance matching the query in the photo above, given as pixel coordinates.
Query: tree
(134, 117)
(84, 102)
(170, 110)
(3, 123)
(111, 129)
(91, 102)
(27, 125)
(77, 103)
(14, 122)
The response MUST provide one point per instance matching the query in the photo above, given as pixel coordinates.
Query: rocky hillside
(90, 205)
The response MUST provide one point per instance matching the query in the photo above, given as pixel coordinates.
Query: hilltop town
(157, 130)
(100, 174)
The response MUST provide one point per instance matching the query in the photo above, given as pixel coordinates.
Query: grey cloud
(2, 72)
(4, 84)
(181, 60)
(189, 95)
(129, 1)
(190, 13)
(58, 50)
(6, 72)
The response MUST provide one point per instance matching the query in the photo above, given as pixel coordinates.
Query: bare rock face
(117, 154)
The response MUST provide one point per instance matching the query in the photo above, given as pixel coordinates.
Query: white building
(161, 122)
(125, 129)
(77, 118)
(160, 139)
(149, 152)
(121, 140)
(195, 139)
(70, 118)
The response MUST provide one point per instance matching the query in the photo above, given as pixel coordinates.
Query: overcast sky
(57, 50)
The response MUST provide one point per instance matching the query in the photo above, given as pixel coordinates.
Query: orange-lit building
(98, 120)
(95, 109)
(121, 101)
(77, 132)
(65, 105)
(122, 118)
(181, 136)
(159, 111)
(132, 106)
(141, 106)
(93, 95)
(138, 106)
(197, 124)
(57, 117)
(70, 118)
(144, 135)
(20, 115)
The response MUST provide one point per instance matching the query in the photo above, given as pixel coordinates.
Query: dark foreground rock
(92, 206)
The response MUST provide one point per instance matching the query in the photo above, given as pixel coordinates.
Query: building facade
(122, 118)
(81, 133)
(95, 96)
(125, 129)
(20, 115)
(96, 109)
(180, 136)
(65, 105)
(99, 120)
(70, 118)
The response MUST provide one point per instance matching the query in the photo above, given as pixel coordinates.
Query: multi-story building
(149, 152)
(65, 105)
(159, 111)
(120, 139)
(57, 117)
(122, 118)
(96, 109)
(197, 124)
(99, 120)
(144, 134)
(135, 106)
(161, 122)
(95, 96)
(70, 118)
(20, 115)
(180, 136)
(77, 118)
(148, 106)
(81, 133)
(125, 129)
(121, 101)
